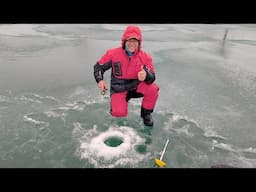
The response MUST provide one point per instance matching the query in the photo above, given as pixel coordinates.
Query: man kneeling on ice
(132, 75)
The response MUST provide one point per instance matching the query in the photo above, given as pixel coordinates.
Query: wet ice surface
(52, 114)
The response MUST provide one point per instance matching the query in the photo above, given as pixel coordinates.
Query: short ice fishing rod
(159, 162)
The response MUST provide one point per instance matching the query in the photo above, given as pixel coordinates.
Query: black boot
(146, 115)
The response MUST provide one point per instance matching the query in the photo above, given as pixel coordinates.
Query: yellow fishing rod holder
(160, 163)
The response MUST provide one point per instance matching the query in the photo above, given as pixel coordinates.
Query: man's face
(132, 44)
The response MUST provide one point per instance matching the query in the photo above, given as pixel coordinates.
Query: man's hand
(103, 86)
(142, 74)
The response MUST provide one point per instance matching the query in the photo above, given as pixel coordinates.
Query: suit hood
(132, 32)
